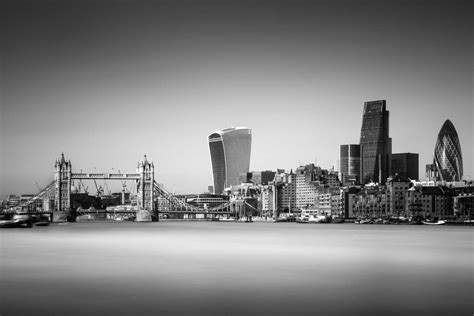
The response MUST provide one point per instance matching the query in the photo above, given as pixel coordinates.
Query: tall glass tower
(350, 163)
(447, 154)
(230, 155)
(375, 144)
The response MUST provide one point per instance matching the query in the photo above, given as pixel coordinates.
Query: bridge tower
(62, 188)
(145, 194)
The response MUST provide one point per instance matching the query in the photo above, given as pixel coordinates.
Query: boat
(7, 223)
(41, 220)
(302, 219)
(42, 223)
(226, 219)
(378, 221)
(366, 221)
(440, 222)
(18, 220)
(318, 219)
(338, 220)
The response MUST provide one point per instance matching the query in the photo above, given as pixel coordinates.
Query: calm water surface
(212, 268)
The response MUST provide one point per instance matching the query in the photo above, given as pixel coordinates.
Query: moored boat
(7, 223)
(42, 223)
(18, 220)
(226, 219)
(440, 222)
(303, 219)
(318, 219)
(338, 220)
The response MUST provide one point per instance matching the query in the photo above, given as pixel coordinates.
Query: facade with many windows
(397, 187)
(375, 143)
(447, 154)
(230, 156)
(350, 163)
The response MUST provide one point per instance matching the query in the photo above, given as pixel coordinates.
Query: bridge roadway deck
(109, 176)
(84, 212)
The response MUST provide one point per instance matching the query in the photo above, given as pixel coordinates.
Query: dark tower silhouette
(375, 144)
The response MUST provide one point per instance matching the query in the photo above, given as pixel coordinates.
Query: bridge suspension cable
(174, 201)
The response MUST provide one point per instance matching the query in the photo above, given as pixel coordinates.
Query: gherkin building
(447, 154)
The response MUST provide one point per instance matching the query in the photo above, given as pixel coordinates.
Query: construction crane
(124, 186)
(38, 187)
(83, 186)
(100, 190)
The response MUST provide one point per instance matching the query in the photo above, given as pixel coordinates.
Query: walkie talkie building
(230, 155)
(447, 154)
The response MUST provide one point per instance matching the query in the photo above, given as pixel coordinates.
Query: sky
(105, 82)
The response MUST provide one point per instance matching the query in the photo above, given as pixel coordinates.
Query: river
(225, 268)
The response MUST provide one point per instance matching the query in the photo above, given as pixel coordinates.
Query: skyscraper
(375, 144)
(350, 163)
(230, 155)
(406, 165)
(447, 154)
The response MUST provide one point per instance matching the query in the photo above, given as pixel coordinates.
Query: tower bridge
(56, 196)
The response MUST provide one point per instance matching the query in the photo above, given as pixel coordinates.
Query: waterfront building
(430, 201)
(230, 155)
(13, 200)
(328, 200)
(306, 188)
(280, 193)
(288, 193)
(375, 143)
(312, 181)
(267, 200)
(464, 205)
(349, 200)
(350, 164)
(284, 191)
(371, 202)
(405, 165)
(397, 187)
(447, 154)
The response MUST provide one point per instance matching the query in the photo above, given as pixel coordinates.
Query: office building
(257, 177)
(447, 154)
(375, 143)
(230, 155)
(406, 165)
(350, 164)
(286, 191)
